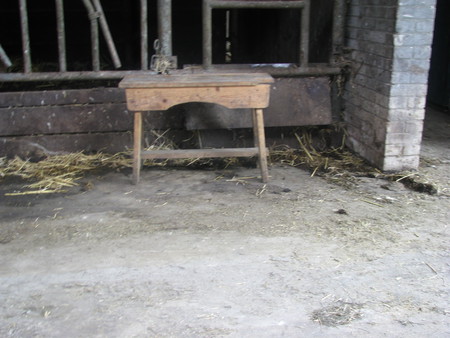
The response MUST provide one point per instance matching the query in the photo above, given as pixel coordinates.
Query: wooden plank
(64, 119)
(137, 145)
(195, 80)
(82, 118)
(299, 102)
(199, 153)
(260, 140)
(62, 97)
(231, 97)
(293, 102)
(37, 147)
(112, 142)
(40, 146)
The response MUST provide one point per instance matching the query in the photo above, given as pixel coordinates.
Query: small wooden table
(160, 92)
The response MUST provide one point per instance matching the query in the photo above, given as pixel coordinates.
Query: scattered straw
(339, 314)
(340, 166)
(373, 203)
(330, 162)
(58, 172)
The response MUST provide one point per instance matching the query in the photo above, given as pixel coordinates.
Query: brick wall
(390, 43)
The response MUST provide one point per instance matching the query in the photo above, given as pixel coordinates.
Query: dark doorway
(439, 78)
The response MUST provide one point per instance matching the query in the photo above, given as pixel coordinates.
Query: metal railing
(98, 20)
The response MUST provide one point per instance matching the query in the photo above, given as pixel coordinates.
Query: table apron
(144, 99)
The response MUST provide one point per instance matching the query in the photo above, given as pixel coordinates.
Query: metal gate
(100, 30)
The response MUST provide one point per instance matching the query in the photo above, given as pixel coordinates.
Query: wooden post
(260, 141)
(137, 146)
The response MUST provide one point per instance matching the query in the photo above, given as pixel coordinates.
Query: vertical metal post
(144, 35)
(60, 27)
(25, 36)
(165, 26)
(94, 35)
(106, 33)
(207, 34)
(95, 43)
(338, 29)
(304, 35)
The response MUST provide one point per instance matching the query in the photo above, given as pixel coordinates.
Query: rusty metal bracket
(161, 63)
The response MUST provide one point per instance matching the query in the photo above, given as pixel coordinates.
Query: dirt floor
(216, 253)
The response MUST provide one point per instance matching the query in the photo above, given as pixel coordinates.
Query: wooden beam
(199, 153)
(62, 97)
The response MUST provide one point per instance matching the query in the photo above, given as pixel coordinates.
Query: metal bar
(304, 36)
(338, 30)
(144, 35)
(60, 28)
(62, 76)
(107, 33)
(207, 34)
(95, 44)
(25, 36)
(117, 75)
(4, 58)
(312, 70)
(93, 16)
(165, 26)
(256, 4)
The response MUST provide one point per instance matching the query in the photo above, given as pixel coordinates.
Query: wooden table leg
(137, 146)
(260, 142)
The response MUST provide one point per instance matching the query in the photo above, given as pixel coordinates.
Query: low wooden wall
(38, 123)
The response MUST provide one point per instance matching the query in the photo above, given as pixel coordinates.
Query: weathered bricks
(390, 42)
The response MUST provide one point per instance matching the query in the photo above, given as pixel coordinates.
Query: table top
(195, 80)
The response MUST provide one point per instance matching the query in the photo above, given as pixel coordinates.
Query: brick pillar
(390, 43)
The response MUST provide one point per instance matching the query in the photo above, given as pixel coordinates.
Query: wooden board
(200, 153)
(299, 102)
(64, 119)
(37, 147)
(108, 117)
(293, 102)
(62, 97)
(142, 99)
(195, 80)
(113, 142)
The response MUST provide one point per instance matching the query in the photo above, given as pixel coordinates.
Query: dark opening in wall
(187, 31)
(256, 36)
(321, 31)
(439, 76)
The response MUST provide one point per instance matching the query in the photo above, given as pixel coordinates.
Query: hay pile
(342, 167)
(57, 173)
(330, 162)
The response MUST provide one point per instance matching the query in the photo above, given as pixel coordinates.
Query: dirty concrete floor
(218, 254)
